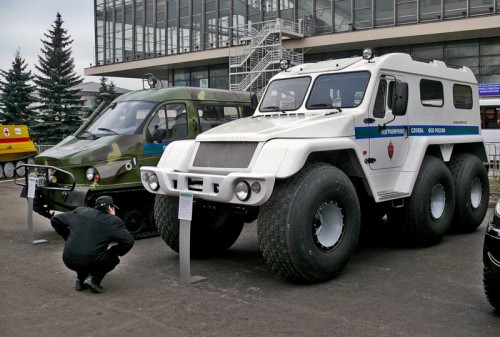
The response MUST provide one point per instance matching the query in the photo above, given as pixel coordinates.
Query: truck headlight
(91, 174)
(497, 209)
(242, 190)
(153, 182)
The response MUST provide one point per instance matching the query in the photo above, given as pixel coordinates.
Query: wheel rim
(328, 225)
(8, 170)
(476, 192)
(438, 201)
(20, 171)
(133, 221)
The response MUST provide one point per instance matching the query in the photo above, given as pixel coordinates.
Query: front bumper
(50, 195)
(218, 188)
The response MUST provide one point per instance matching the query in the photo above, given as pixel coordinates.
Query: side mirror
(400, 98)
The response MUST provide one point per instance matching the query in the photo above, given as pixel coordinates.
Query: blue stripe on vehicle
(154, 148)
(415, 131)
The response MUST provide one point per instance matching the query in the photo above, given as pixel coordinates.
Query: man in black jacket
(94, 237)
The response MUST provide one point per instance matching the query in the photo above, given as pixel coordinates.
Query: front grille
(225, 154)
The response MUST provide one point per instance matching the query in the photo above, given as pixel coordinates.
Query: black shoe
(80, 285)
(96, 288)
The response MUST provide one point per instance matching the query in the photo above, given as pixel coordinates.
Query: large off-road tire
(212, 232)
(472, 192)
(426, 215)
(310, 226)
(491, 281)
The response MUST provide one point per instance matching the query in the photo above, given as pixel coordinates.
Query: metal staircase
(257, 50)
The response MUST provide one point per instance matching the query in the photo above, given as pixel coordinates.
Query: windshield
(284, 95)
(120, 118)
(344, 90)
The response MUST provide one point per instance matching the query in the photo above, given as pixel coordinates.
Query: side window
(177, 121)
(462, 96)
(169, 122)
(379, 107)
(157, 126)
(213, 115)
(431, 93)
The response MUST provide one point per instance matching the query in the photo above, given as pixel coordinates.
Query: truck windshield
(120, 118)
(286, 94)
(344, 90)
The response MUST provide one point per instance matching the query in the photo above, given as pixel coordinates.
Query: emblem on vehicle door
(390, 149)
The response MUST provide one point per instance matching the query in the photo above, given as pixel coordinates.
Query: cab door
(167, 124)
(389, 141)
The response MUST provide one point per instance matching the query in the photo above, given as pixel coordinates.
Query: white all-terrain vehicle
(332, 145)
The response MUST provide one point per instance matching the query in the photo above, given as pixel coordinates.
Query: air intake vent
(224, 154)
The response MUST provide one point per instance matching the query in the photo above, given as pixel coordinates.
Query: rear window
(462, 96)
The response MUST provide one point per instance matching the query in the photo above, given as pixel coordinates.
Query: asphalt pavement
(385, 290)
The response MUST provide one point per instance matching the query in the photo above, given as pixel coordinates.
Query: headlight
(242, 191)
(497, 208)
(368, 53)
(92, 174)
(153, 182)
(284, 64)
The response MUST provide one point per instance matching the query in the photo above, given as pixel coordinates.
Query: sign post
(185, 217)
(31, 195)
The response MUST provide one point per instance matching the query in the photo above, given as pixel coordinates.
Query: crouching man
(95, 238)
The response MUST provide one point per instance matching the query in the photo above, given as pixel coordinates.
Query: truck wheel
(491, 281)
(310, 226)
(134, 221)
(8, 169)
(212, 232)
(426, 215)
(471, 192)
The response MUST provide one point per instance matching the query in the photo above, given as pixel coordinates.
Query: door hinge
(370, 160)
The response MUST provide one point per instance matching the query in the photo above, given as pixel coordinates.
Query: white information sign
(31, 187)
(186, 206)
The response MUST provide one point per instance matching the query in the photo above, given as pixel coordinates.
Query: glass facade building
(161, 36)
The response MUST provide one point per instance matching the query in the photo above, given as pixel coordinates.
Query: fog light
(255, 187)
(153, 182)
(242, 191)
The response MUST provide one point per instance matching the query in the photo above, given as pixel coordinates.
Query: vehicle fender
(442, 147)
(285, 157)
(177, 155)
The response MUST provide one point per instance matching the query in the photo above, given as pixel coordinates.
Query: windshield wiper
(321, 105)
(272, 108)
(108, 130)
(90, 135)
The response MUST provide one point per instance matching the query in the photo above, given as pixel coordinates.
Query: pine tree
(16, 92)
(105, 88)
(60, 112)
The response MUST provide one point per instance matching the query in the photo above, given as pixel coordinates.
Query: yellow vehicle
(16, 149)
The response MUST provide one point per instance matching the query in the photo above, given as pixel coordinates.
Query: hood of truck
(286, 125)
(74, 152)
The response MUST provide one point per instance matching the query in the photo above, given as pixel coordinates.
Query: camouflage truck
(105, 154)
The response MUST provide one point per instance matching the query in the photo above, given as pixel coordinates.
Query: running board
(390, 195)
